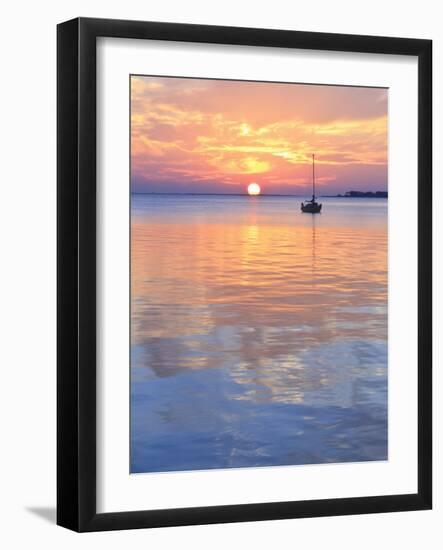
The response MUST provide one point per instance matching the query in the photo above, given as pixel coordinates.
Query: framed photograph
(244, 274)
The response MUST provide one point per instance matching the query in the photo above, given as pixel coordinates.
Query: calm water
(259, 334)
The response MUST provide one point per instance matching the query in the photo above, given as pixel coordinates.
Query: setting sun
(254, 189)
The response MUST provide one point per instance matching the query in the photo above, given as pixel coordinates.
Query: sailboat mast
(313, 177)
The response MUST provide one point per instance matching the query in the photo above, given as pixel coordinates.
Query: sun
(254, 189)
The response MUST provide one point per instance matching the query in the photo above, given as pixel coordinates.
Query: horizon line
(214, 194)
(338, 195)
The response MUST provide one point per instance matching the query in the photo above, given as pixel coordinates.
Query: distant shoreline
(360, 195)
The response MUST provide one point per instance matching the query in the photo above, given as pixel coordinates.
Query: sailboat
(312, 206)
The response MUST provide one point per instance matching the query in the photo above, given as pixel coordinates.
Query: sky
(218, 136)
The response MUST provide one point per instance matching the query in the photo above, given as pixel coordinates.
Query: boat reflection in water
(259, 335)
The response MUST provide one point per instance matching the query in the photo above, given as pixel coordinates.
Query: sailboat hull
(311, 208)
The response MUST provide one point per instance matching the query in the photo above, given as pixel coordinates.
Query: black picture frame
(76, 267)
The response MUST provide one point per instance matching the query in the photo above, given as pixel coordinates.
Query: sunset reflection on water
(259, 334)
